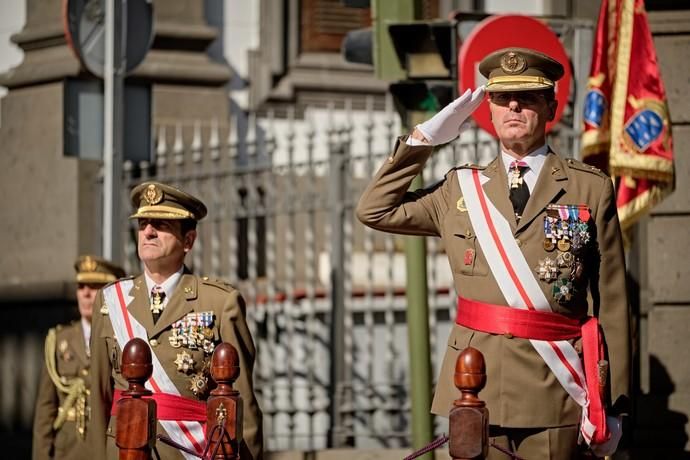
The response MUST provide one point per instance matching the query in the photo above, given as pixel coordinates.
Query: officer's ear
(188, 240)
(553, 105)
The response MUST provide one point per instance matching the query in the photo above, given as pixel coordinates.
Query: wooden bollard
(224, 405)
(469, 417)
(136, 417)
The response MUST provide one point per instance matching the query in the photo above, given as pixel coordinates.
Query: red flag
(627, 130)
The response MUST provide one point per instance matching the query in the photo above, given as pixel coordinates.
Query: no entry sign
(498, 32)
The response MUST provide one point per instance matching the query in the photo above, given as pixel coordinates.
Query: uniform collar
(535, 159)
(168, 285)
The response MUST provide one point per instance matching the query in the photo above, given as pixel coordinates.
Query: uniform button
(84, 372)
(391, 159)
(508, 335)
(153, 342)
(518, 242)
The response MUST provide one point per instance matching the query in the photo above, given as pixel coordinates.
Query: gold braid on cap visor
(523, 82)
(95, 277)
(162, 212)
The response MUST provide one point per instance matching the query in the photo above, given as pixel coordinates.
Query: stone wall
(663, 272)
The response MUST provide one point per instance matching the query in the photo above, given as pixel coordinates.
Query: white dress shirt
(534, 160)
(168, 285)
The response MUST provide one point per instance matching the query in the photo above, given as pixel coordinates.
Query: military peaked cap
(92, 269)
(520, 69)
(154, 200)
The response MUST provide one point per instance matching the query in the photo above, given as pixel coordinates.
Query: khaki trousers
(536, 443)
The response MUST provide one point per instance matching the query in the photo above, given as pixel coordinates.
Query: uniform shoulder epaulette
(222, 284)
(124, 278)
(470, 166)
(580, 166)
(104, 310)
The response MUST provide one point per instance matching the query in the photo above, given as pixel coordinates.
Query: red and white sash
(185, 433)
(520, 288)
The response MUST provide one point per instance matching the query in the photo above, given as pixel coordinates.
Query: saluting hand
(447, 124)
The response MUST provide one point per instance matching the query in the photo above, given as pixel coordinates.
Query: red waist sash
(171, 407)
(526, 324)
(540, 325)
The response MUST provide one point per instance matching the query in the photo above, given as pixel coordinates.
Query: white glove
(445, 125)
(610, 446)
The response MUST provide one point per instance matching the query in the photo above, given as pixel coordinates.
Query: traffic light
(427, 52)
(372, 45)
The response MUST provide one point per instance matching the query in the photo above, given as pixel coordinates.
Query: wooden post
(469, 417)
(224, 405)
(135, 433)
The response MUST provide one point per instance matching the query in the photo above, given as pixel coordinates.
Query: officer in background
(534, 232)
(61, 419)
(183, 317)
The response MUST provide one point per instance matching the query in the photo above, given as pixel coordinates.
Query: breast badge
(184, 362)
(198, 384)
(65, 352)
(547, 270)
(563, 290)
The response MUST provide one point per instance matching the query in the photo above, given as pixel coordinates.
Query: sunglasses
(525, 98)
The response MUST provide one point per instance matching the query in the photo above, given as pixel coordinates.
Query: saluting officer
(61, 419)
(183, 317)
(534, 244)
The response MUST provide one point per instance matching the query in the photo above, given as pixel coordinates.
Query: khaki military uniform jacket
(521, 391)
(71, 361)
(192, 294)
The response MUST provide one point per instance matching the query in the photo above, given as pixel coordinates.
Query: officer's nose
(149, 230)
(514, 105)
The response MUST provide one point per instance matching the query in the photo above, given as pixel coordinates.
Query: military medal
(515, 179)
(65, 353)
(198, 383)
(547, 270)
(194, 331)
(174, 339)
(157, 295)
(563, 245)
(184, 362)
(563, 290)
(549, 240)
(564, 259)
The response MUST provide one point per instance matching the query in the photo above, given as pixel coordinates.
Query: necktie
(519, 192)
(157, 298)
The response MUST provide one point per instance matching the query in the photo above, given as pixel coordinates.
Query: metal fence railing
(325, 294)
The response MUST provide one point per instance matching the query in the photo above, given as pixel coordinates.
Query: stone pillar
(663, 407)
(52, 210)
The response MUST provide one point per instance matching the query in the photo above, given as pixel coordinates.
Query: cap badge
(88, 265)
(513, 63)
(152, 195)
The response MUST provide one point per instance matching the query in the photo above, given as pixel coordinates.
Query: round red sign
(498, 32)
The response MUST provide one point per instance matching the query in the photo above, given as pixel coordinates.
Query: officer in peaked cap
(61, 419)
(529, 231)
(183, 317)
